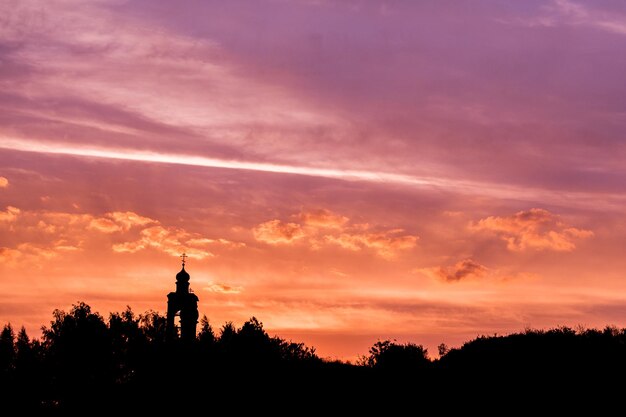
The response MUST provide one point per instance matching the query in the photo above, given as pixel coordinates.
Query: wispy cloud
(568, 12)
(579, 14)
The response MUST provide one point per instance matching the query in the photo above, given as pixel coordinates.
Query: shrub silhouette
(391, 356)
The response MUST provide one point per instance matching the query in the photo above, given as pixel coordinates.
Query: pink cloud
(576, 13)
(4, 183)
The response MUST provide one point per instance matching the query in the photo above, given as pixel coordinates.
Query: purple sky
(343, 170)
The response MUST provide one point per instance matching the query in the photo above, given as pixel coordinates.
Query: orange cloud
(172, 241)
(276, 232)
(464, 269)
(119, 221)
(45, 227)
(323, 218)
(128, 219)
(9, 256)
(61, 219)
(104, 225)
(222, 242)
(33, 253)
(36, 251)
(46, 235)
(4, 183)
(325, 227)
(536, 229)
(386, 244)
(41, 236)
(223, 288)
(10, 214)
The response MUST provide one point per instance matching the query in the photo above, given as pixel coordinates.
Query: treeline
(125, 362)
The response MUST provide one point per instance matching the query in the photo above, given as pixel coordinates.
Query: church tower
(184, 303)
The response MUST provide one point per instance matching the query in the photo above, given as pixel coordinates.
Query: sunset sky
(345, 171)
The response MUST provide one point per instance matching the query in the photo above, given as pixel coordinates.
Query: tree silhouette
(227, 337)
(25, 350)
(7, 350)
(79, 356)
(129, 344)
(154, 326)
(127, 364)
(206, 336)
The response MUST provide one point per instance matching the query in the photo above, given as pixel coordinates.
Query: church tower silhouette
(183, 302)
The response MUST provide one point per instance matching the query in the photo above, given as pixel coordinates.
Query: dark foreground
(86, 365)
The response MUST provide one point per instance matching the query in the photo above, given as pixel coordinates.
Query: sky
(344, 171)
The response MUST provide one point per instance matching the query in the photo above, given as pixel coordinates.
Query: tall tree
(7, 350)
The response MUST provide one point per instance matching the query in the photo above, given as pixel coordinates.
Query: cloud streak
(579, 199)
(200, 161)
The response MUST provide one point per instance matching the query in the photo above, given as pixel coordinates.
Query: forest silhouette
(84, 362)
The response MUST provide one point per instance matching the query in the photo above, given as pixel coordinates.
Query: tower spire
(184, 303)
